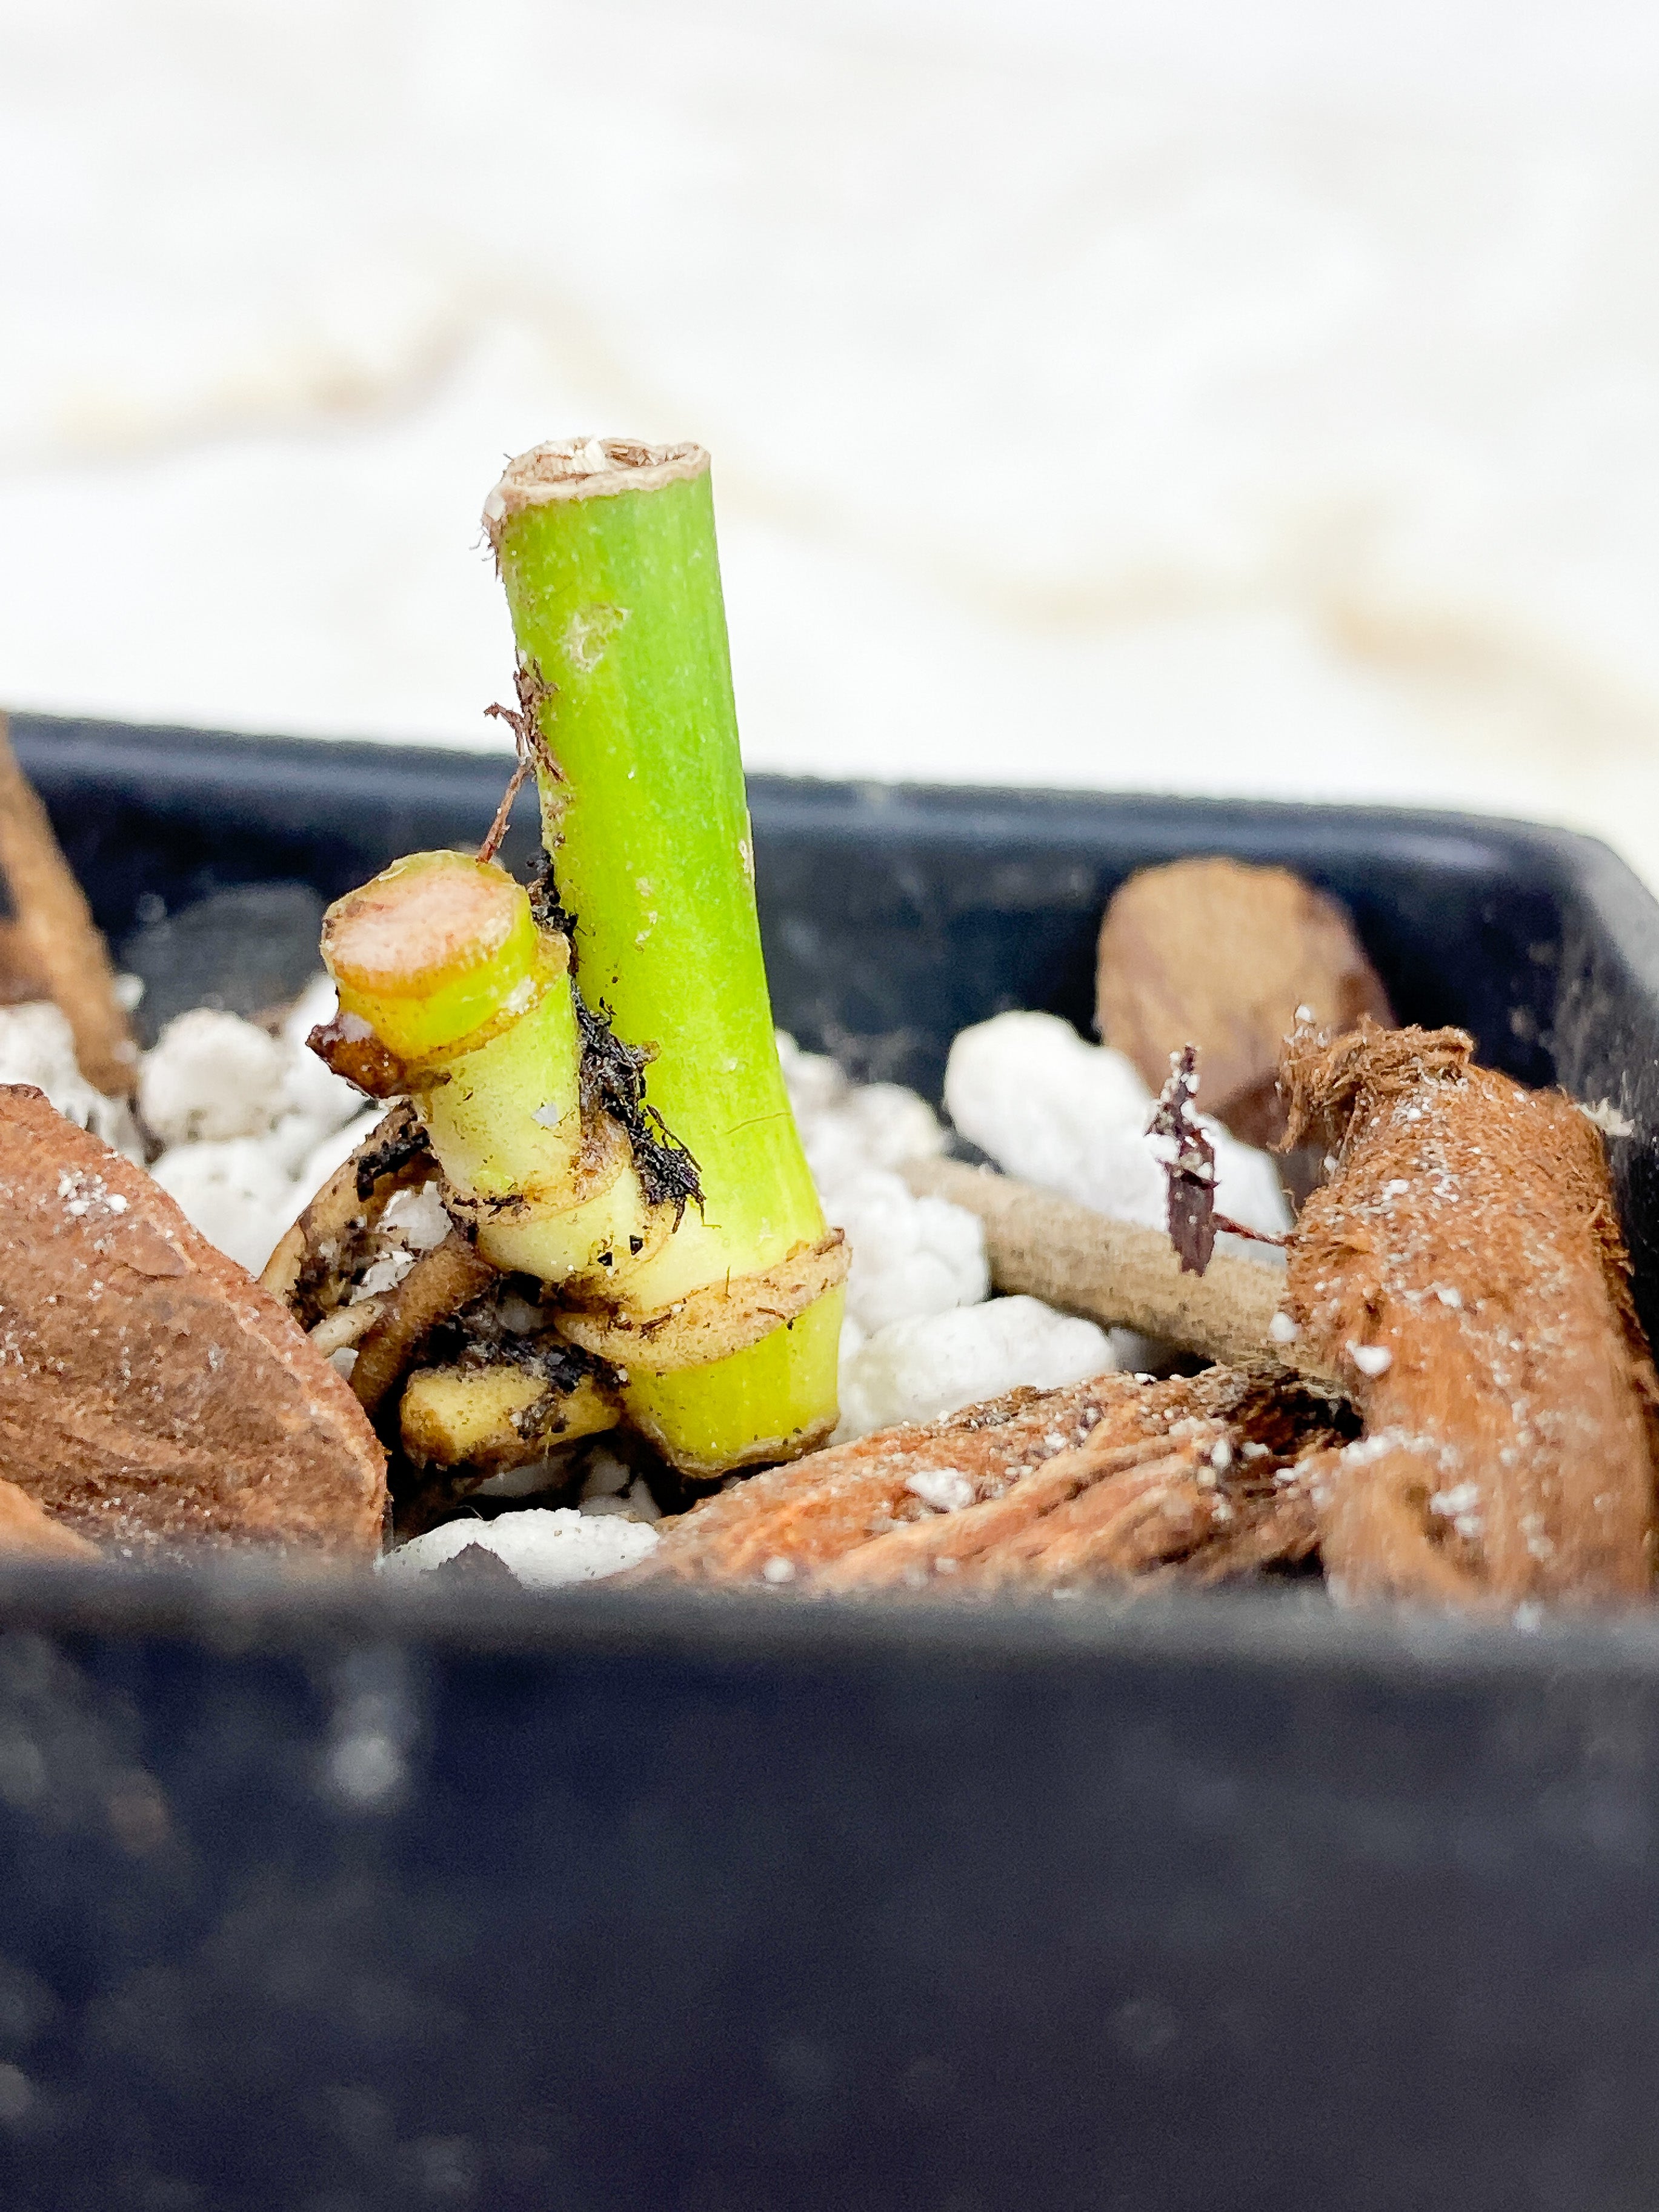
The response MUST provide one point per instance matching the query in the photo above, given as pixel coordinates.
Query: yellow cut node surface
(433, 949)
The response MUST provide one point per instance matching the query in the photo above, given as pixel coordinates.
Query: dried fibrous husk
(585, 468)
(156, 1397)
(1107, 1479)
(1463, 1270)
(49, 944)
(1220, 955)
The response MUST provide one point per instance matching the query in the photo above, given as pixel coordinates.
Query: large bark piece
(1040, 1490)
(1463, 1270)
(154, 1396)
(26, 1528)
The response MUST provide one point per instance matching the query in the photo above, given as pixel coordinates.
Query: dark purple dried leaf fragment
(1188, 1161)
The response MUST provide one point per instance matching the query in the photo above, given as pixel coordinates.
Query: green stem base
(774, 1400)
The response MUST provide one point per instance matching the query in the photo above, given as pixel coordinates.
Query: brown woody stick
(55, 935)
(1113, 1272)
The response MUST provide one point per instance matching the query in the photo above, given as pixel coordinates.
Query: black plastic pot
(332, 1897)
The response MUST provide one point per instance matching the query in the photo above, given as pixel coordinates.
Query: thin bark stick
(56, 932)
(20, 979)
(1113, 1272)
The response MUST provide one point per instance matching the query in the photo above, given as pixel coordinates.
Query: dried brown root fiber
(51, 945)
(1106, 1480)
(152, 1396)
(1463, 1272)
(1219, 955)
(438, 1286)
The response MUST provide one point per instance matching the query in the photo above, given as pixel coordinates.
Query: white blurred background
(1245, 396)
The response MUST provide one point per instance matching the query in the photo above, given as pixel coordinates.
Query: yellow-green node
(588, 1244)
(508, 1120)
(772, 1401)
(433, 949)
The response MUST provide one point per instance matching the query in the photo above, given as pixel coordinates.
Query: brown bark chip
(153, 1394)
(1039, 1490)
(1216, 954)
(1464, 1272)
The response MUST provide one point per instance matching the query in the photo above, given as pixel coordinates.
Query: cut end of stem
(585, 468)
(430, 950)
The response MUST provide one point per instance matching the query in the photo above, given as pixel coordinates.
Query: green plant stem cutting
(597, 1063)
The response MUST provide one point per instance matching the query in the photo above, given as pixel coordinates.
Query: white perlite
(37, 1047)
(211, 1075)
(915, 1260)
(1072, 1117)
(237, 1192)
(414, 1222)
(942, 1488)
(254, 1124)
(545, 1549)
(911, 1256)
(915, 1370)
